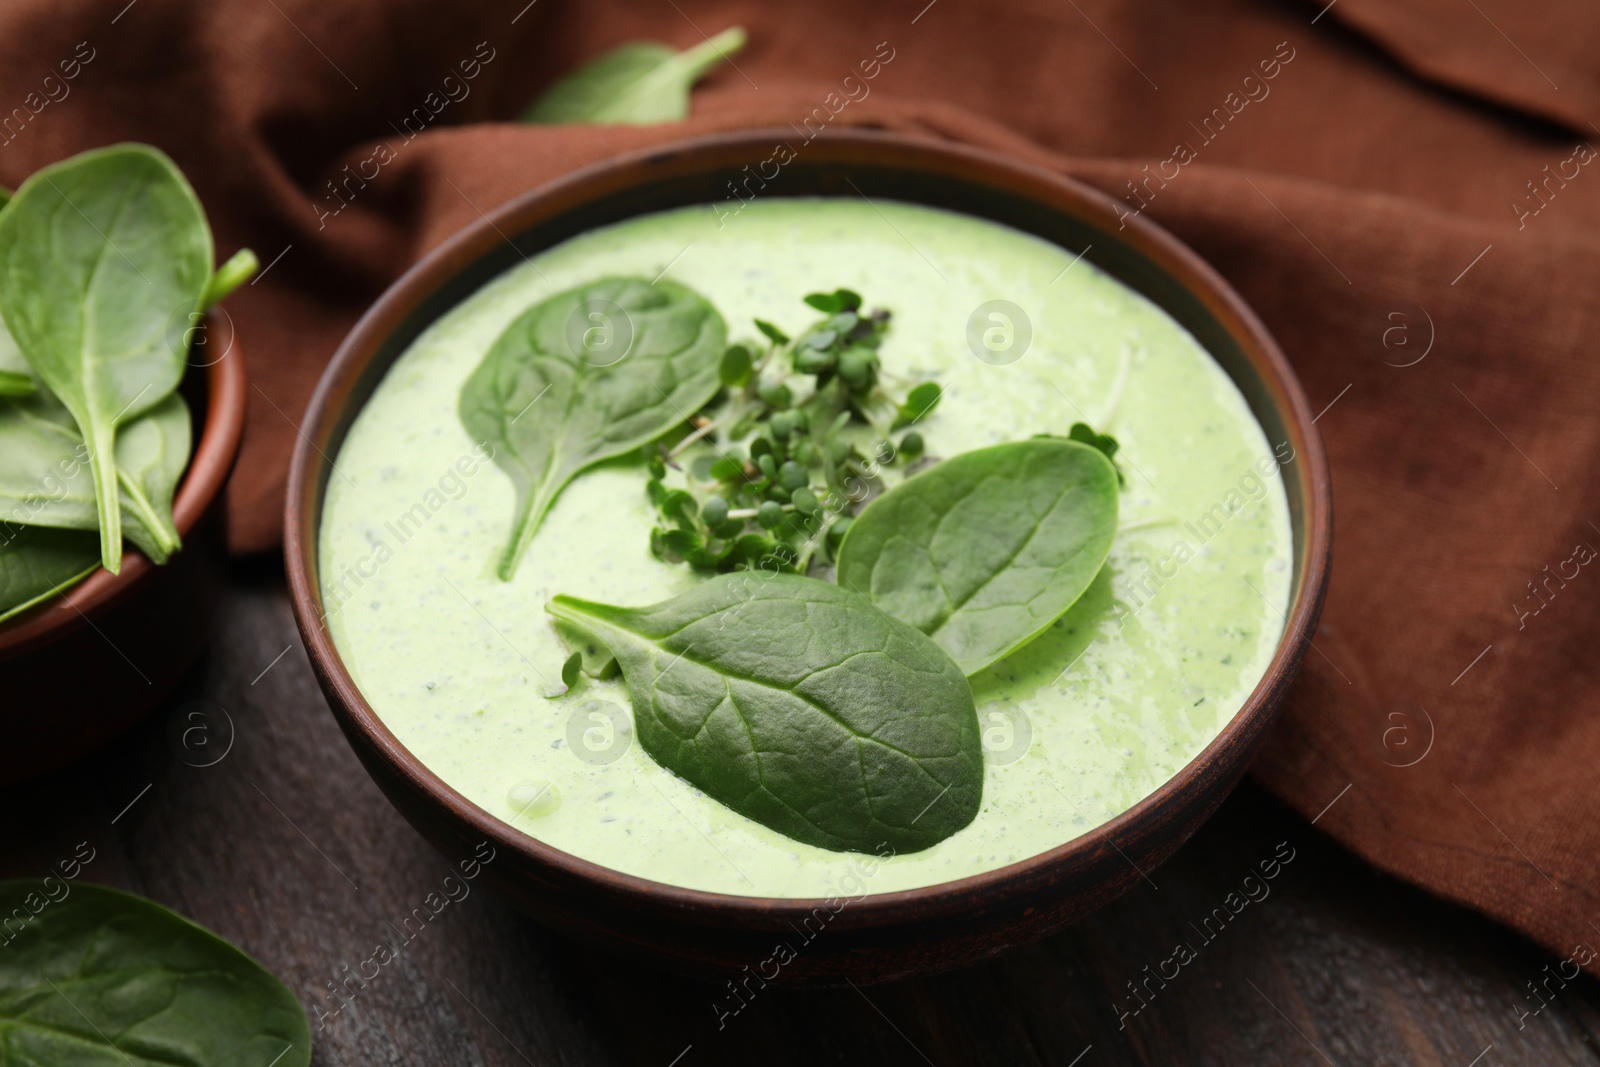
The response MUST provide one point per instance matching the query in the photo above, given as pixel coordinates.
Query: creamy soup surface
(1095, 714)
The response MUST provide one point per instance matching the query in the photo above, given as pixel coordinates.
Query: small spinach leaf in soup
(586, 375)
(36, 563)
(801, 706)
(985, 550)
(638, 84)
(100, 978)
(99, 256)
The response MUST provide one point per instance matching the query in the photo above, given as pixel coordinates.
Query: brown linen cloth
(1371, 199)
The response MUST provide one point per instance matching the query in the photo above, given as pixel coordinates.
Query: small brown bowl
(885, 936)
(79, 669)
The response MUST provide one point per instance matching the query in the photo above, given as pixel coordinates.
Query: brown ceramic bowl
(79, 669)
(880, 937)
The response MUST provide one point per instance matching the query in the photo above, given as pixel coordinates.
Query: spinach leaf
(571, 669)
(98, 255)
(152, 454)
(36, 563)
(622, 362)
(99, 978)
(16, 379)
(800, 706)
(638, 84)
(595, 659)
(45, 481)
(986, 550)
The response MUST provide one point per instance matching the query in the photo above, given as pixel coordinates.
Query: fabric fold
(1486, 50)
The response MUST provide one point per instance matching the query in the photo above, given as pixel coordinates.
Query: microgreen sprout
(772, 465)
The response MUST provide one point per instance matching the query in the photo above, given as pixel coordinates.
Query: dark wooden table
(285, 847)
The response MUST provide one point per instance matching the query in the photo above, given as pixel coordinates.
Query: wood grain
(285, 847)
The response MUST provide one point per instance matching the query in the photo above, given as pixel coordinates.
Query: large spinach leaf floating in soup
(801, 706)
(986, 550)
(99, 978)
(586, 375)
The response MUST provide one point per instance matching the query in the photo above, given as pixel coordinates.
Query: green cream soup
(1078, 725)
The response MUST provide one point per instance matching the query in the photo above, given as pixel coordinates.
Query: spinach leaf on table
(801, 706)
(99, 255)
(37, 563)
(586, 375)
(987, 549)
(100, 978)
(638, 84)
(45, 481)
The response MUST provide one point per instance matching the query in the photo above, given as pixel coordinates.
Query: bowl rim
(438, 266)
(227, 385)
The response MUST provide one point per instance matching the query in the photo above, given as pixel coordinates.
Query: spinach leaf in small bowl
(105, 264)
(37, 562)
(98, 253)
(45, 478)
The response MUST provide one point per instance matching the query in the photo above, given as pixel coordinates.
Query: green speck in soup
(1079, 725)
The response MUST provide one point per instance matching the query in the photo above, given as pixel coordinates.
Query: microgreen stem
(873, 421)
(700, 433)
(750, 513)
(803, 563)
